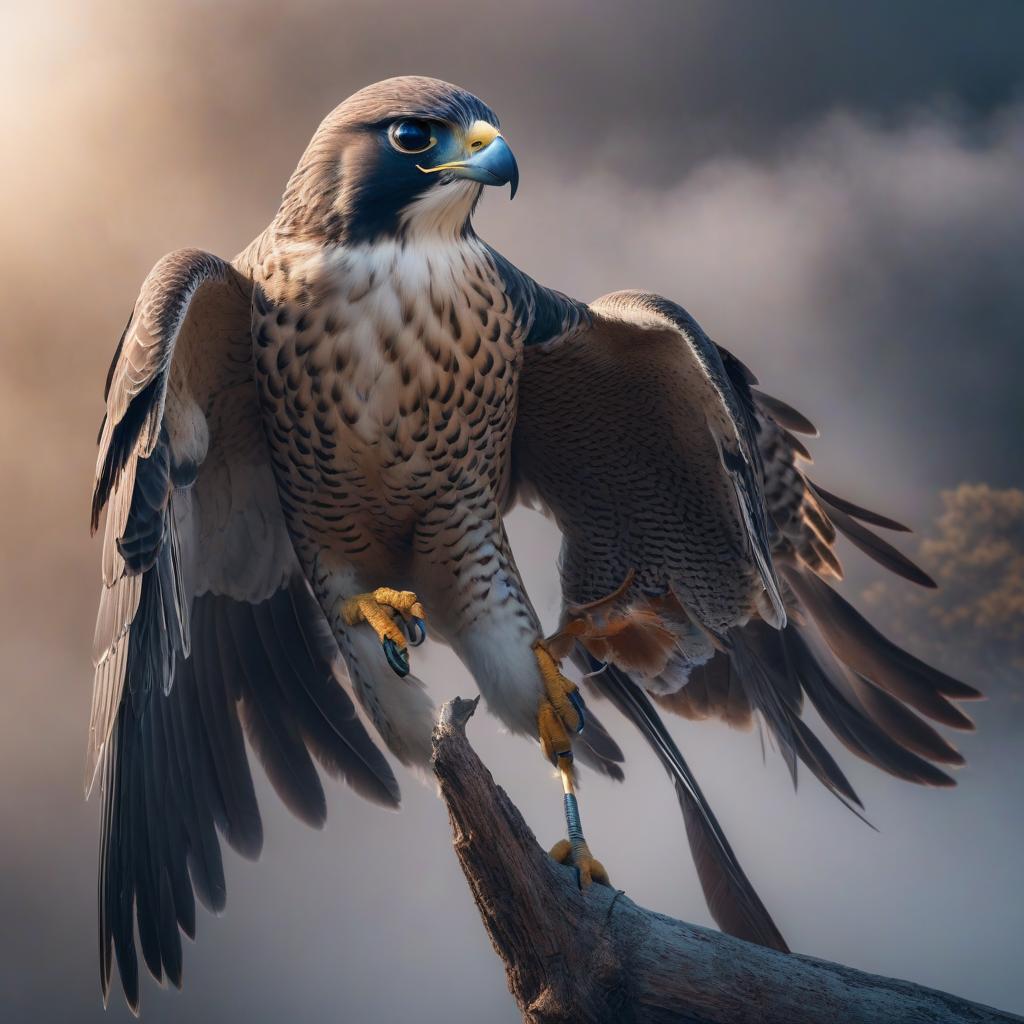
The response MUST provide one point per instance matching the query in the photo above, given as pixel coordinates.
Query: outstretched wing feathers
(865, 650)
(206, 628)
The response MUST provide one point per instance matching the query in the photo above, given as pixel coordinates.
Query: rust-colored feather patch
(634, 636)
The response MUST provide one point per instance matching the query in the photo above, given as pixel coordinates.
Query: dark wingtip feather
(857, 511)
(906, 728)
(966, 723)
(177, 772)
(784, 414)
(813, 754)
(244, 635)
(128, 968)
(770, 674)
(879, 550)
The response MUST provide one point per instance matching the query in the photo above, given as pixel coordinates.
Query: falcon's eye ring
(411, 136)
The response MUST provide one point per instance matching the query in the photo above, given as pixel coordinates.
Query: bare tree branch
(595, 957)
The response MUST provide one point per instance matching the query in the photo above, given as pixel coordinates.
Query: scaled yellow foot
(560, 711)
(378, 608)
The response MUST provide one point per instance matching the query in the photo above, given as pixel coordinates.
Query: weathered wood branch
(595, 957)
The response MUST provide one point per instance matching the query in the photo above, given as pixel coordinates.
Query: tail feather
(733, 903)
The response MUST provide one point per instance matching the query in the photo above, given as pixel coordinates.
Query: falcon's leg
(574, 850)
(562, 710)
(378, 609)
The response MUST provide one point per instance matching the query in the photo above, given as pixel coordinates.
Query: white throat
(441, 212)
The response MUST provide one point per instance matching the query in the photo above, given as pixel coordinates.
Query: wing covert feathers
(640, 439)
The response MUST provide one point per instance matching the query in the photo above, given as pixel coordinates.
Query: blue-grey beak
(490, 161)
(492, 165)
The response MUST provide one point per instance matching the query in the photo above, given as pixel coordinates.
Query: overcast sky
(834, 192)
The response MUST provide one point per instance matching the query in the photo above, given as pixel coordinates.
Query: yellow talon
(589, 867)
(377, 608)
(554, 738)
(561, 711)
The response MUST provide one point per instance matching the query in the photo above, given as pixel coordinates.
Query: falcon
(306, 457)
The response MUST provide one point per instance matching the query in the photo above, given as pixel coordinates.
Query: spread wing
(682, 507)
(206, 632)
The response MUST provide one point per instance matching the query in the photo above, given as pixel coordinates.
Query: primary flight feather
(306, 457)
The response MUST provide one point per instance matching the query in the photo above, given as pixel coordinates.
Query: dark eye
(411, 136)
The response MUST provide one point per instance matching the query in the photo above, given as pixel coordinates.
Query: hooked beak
(490, 160)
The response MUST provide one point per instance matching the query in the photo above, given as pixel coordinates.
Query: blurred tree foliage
(973, 625)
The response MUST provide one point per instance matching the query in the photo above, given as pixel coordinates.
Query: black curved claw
(576, 700)
(416, 631)
(398, 657)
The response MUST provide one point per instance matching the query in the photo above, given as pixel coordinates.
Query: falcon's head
(407, 156)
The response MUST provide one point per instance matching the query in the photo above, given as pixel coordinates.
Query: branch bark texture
(595, 957)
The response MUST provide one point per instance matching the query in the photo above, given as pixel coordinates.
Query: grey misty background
(835, 192)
